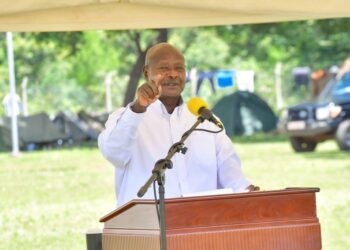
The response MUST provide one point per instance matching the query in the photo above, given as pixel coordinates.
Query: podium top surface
(145, 207)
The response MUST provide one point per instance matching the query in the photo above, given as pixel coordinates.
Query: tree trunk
(137, 69)
(135, 76)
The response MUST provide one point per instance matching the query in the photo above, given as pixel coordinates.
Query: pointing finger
(157, 79)
(153, 86)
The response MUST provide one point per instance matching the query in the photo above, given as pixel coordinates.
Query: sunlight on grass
(49, 199)
(53, 197)
(276, 166)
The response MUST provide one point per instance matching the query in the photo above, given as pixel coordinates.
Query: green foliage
(60, 93)
(66, 42)
(67, 69)
(94, 58)
(316, 44)
(127, 51)
(203, 49)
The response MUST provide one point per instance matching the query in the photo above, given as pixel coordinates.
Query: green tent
(72, 126)
(244, 113)
(35, 129)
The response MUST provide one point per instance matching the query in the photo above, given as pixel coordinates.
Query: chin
(172, 92)
(170, 95)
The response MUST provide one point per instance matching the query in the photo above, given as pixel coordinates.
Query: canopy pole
(11, 65)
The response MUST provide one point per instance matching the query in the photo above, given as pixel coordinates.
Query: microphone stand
(158, 174)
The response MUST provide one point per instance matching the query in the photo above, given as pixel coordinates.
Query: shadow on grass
(327, 154)
(260, 138)
(89, 144)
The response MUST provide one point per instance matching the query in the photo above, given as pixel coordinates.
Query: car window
(343, 86)
(335, 90)
(326, 94)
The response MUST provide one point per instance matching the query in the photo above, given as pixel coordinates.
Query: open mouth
(171, 84)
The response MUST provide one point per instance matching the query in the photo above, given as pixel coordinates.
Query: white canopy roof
(72, 15)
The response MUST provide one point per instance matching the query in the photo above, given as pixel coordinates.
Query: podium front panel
(272, 220)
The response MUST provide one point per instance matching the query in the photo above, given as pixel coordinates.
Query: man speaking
(138, 135)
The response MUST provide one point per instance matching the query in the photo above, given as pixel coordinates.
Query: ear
(145, 72)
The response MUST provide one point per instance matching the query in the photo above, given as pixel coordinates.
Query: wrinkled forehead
(163, 53)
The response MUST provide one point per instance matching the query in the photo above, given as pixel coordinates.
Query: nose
(172, 73)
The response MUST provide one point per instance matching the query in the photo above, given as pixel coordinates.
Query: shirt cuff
(131, 117)
(241, 186)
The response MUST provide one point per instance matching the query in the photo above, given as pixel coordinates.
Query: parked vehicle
(328, 118)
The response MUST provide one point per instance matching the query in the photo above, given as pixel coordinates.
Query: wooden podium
(270, 220)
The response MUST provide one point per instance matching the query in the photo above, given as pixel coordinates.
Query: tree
(69, 67)
(136, 71)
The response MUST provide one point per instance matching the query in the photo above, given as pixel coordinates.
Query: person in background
(7, 103)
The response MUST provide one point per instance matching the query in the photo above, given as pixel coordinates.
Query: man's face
(167, 69)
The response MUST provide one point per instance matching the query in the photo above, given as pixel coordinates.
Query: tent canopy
(244, 113)
(73, 15)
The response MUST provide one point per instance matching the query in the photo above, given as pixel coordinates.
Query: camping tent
(95, 122)
(245, 113)
(67, 15)
(36, 129)
(75, 129)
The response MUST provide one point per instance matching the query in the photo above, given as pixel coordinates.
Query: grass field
(49, 199)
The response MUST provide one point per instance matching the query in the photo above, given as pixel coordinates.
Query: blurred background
(253, 76)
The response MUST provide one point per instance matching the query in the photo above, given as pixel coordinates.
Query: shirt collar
(177, 111)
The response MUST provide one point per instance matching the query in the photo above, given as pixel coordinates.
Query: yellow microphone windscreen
(195, 104)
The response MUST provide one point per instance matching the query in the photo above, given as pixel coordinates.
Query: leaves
(77, 62)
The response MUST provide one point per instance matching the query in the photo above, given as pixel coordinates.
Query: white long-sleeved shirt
(133, 142)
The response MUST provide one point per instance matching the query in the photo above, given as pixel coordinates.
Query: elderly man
(138, 135)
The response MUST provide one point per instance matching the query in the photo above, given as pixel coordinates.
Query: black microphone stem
(158, 173)
(163, 163)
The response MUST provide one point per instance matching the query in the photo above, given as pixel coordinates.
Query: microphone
(198, 107)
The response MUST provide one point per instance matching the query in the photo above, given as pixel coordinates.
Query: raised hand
(146, 94)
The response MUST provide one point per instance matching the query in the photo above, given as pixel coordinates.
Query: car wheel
(343, 135)
(300, 144)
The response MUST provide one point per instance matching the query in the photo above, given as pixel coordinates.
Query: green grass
(49, 199)
(273, 165)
